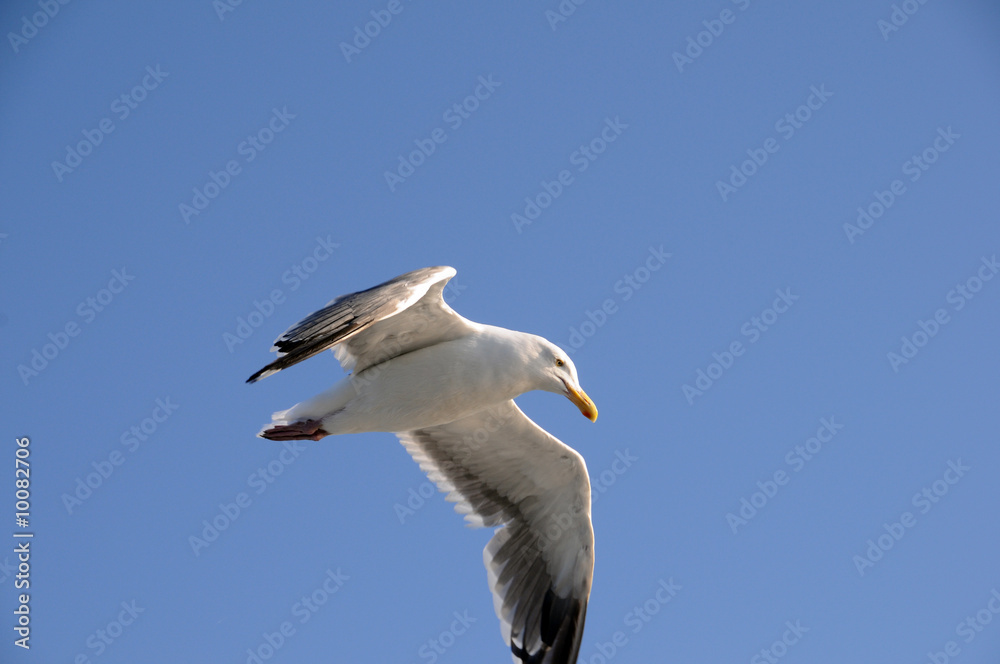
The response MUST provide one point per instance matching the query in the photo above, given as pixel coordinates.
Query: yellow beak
(581, 401)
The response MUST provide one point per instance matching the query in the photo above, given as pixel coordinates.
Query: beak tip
(582, 401)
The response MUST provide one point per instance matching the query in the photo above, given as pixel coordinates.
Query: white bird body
(457, 373)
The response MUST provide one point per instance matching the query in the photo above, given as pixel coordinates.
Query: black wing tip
(264, 373)
(563, 620)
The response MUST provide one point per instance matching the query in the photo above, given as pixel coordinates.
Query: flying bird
(445, 386)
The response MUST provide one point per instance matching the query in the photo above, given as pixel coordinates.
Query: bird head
(558, 374)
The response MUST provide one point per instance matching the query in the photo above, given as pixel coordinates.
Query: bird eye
(559, 362)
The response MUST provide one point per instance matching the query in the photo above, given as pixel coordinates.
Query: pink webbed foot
(304, 430)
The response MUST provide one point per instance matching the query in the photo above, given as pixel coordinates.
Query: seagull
(445, 386)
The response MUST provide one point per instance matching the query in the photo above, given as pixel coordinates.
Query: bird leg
(304, 430)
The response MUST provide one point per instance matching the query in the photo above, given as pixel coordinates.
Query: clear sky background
(824, 107)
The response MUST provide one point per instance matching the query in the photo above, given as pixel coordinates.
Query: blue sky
(767, 232)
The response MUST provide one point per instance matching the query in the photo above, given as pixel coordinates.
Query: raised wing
(504, 470)
(374, 325)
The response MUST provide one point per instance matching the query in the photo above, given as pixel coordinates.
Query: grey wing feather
(395, 317)
(505, 471)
